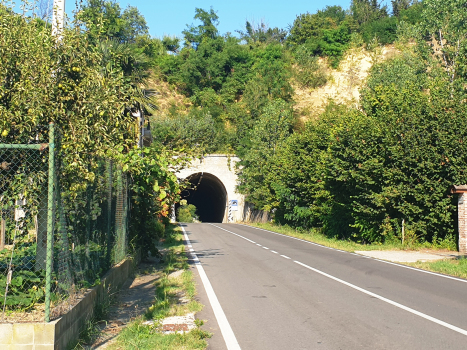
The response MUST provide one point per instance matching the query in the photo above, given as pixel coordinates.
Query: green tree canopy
(194, 35)
(104, 19)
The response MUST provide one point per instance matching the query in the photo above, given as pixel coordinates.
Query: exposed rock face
(344, 83)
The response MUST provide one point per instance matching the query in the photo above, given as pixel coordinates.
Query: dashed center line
(400, 306)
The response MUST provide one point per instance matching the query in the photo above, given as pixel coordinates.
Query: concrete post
(461, 191)
(462, 212)
(58, 19)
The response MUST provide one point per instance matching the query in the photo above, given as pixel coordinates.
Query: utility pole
(58, 19)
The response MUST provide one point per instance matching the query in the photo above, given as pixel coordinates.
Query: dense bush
(384, 30)
(309, 72)
(357, 173)
(186, 212)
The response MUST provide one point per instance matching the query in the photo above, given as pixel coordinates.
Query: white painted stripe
(265, 247)
(403, 307)
(236, 234)
(224, 325)
(273, 251)
(285, 257)
(363, 256)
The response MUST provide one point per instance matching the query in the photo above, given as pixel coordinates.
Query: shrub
(186, 212)
(309, 72)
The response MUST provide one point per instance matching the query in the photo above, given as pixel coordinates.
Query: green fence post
(50, 221)
(119, 217)
(109, 212)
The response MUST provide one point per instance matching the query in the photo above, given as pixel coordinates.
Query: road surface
(277, 292)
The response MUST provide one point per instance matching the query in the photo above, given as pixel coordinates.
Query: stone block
(44, 334)
(44, 347)
(6, 334)
(61, 333)
(22, 347)
(23, 333)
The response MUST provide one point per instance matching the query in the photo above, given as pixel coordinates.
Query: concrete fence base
(64, 332)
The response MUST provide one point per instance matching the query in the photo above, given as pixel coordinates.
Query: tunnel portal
(208, 195)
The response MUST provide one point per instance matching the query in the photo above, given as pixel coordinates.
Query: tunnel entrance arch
(222, 172)
(208, 194)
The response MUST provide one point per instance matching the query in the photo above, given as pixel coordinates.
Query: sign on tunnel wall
(234, 204)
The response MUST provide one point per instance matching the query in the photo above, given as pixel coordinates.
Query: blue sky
(171, 17)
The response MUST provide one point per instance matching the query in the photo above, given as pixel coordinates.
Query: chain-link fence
(55, 242)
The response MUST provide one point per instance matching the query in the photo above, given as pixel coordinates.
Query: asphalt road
(282, 293)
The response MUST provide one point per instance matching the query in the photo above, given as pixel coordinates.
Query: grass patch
(166, 303)
(314, 235)
(91, 330)
(139, 336)
(452, 267)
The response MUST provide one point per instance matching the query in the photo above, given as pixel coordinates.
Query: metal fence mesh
(55, 243)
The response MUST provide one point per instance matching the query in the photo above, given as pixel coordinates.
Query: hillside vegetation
(350, 121)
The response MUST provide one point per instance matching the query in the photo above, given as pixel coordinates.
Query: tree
(261, 33)
(135, 24)
(194, 35)
(444, 24)
(365, 11)
(45, 10)
(310, 27)
(104, 19)
(399, 5)
(270, 131)
(171, 43)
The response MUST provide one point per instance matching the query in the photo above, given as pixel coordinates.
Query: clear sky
(171, 16)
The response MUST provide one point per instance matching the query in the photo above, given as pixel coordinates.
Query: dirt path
(135, 297)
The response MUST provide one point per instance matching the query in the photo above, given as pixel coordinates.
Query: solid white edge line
(363, 256)
(403, 307)
(224, 325)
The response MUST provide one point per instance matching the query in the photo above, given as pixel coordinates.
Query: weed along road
(270, 291)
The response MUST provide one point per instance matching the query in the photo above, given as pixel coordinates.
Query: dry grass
(168, 98)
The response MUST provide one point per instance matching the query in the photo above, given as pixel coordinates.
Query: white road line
(403, 307)
(362, 256)
(259, 245)
(224, 325)
(246, 239)
(273, 251)
(265, 247)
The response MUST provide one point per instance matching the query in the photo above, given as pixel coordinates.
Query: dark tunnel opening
(208, 195)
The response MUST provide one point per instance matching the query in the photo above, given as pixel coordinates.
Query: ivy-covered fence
(55, 241)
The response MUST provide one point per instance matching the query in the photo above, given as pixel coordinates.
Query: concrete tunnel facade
(213, 182)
